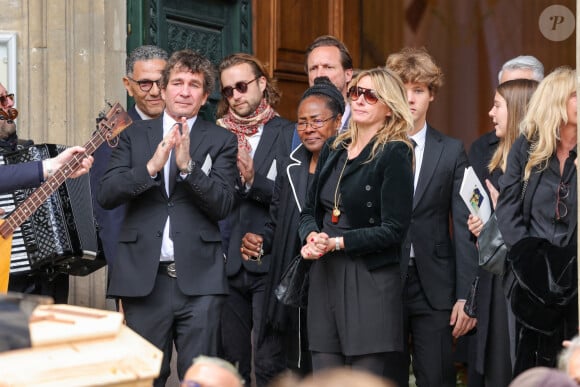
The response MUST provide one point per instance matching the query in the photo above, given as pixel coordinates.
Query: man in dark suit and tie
(439, 260)
(247, 110)
(176, 176)
(144, 67)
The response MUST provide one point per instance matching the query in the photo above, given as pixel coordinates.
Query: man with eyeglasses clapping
(144, 67)
(247, 110)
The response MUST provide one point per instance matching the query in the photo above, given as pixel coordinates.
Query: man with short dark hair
(144, 67)
(176, 174)
(246, 109)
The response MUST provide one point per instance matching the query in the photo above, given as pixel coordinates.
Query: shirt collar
(420, 136)
(168, 122)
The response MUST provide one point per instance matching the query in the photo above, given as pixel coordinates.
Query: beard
(7, 129)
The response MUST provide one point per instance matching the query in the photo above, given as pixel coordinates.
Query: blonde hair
(517, 94)
(546, 114)
(391, 92)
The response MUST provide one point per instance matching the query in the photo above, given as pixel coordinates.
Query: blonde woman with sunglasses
(352, 226)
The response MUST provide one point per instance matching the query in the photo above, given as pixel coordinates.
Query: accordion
(60, 237)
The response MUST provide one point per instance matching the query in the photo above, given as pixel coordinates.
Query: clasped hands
(177, 140)
(317, 244)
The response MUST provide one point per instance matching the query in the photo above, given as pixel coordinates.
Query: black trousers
(241, 315)
(430, 335)
(167, 316)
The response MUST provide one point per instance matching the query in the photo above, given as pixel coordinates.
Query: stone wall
(71, 58)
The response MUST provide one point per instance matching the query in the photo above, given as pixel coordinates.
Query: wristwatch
(189, 168)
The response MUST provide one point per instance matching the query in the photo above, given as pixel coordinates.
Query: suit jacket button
(372, 220)
(170, 204)
(369, 204)
(159, 234)
(368, 187)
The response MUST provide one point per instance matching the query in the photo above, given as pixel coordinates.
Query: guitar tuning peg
(108, 103)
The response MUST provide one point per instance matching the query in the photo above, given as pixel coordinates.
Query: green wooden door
(215, 28)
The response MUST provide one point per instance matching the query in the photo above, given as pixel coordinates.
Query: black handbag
(293, 287)
(491, 247)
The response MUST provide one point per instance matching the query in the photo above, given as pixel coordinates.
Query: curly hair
(194, 62)
(415, 65)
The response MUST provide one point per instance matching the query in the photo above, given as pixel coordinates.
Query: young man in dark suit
(439, 260)
(176, 175)
(247, 110)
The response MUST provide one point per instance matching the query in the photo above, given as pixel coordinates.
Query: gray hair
(567, 353)
(224, 364)
(524, 62)
(143, 53)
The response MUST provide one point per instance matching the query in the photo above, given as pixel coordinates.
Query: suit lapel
(296, 177)
(155, 135)
(431, 155)
(264, 148)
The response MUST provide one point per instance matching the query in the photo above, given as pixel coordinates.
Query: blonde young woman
(493, 345)
(353, 223)
(543, 160)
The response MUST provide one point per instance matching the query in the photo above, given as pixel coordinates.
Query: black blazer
(447, 265)
(195, 206)
(108, 221)
(281, 233)
(513, 213)
(376, 195)
(251, 209)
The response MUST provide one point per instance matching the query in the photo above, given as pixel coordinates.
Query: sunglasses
(370, 96)
(146, 84)
(241, 87)
(3, 98)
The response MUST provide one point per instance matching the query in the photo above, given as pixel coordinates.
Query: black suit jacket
(251, 209)
(446, 262)
(108, 221)
(376, 195)
(195, 205)
(281, 233)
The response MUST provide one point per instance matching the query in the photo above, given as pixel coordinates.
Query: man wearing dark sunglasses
(144, 67)
(247, 110)
(438, 265)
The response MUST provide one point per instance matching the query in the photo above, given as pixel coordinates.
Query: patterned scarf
(247, 126)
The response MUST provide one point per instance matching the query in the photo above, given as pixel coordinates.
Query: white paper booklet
(474, 195)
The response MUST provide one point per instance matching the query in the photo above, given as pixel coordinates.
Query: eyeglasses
(314, 124)
(146, 84)
(241, 87)
(3, 98)
(370, 96)
(561, 209)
